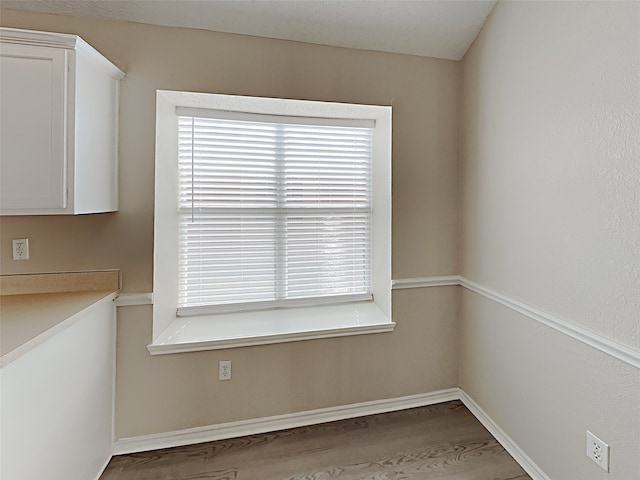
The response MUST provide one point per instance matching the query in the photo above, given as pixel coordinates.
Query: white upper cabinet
(58, 125)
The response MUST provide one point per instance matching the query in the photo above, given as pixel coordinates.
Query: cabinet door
(32, 127)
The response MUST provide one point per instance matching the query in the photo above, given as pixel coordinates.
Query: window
(263, 204)
(274, 211)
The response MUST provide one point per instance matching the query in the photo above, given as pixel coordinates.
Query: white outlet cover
(224, 370)
(598, 451)
(20, 248)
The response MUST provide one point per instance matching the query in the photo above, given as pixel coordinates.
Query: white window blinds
(273, 211)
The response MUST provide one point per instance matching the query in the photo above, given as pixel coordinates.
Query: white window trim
(172, 334)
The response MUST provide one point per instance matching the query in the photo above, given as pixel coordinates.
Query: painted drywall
(165, 393)
(551, 172)
(173, 392)
(422, 91)
(551, 217)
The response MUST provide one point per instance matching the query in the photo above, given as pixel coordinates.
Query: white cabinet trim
(58, 40)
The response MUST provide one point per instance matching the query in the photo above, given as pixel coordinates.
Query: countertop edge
(60, 282)
(29, 345)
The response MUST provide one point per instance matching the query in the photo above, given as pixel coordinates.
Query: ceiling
(431, 28)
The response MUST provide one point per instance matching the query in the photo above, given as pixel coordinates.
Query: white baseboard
(311, 417)
(279, 422)
(509, 445)
(104, 467)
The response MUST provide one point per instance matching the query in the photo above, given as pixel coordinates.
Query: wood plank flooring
(443, 441)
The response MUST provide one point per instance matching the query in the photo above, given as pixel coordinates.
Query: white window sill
(243, 329)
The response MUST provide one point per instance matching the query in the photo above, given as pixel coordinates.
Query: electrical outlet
(598, 451)
(224, 370)
(20, 249)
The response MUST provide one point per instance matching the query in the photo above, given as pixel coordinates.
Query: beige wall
(551, 217)
(422, 91)
(549, 208)
(164, 393)
(172, 392)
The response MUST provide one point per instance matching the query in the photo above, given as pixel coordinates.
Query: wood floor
(443, 441)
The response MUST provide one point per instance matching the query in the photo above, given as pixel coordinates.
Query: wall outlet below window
(224, 370)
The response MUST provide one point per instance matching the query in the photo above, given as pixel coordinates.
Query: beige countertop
(28, 319)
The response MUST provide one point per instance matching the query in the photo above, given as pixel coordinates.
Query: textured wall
(546, 390)
(551, 172)
(551, 217)
(157, 394)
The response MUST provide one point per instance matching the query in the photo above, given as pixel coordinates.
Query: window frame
(165, 276)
